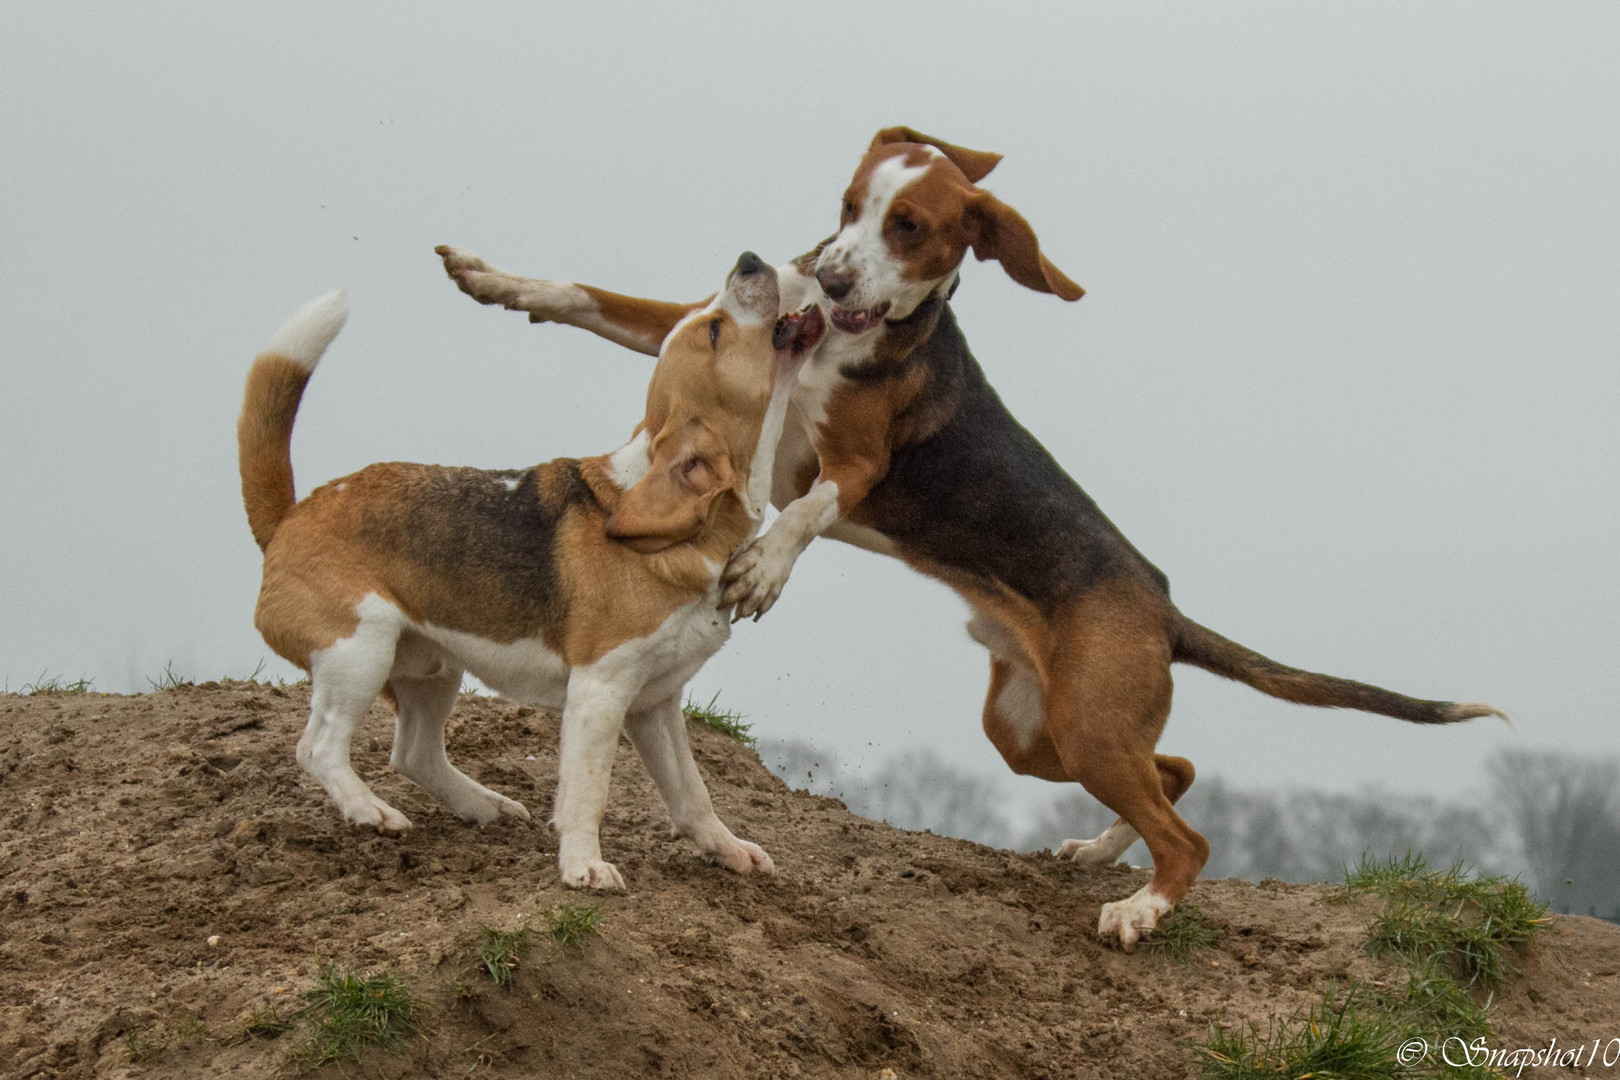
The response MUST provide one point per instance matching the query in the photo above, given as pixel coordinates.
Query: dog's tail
(1202, 647)
(275, 385)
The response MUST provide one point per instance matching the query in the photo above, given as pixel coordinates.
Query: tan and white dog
(591, 585)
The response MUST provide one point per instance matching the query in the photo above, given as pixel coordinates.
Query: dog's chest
(661, 663)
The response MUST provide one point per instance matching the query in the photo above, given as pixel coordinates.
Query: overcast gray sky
(1346, 369)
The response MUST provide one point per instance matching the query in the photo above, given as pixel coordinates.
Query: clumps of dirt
(168, 879)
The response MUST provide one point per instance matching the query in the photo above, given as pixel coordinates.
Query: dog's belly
(649, 669)
(524, 670)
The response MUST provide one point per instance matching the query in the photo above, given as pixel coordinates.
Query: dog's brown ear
(975, 164)
(999, 232)
(670, 504)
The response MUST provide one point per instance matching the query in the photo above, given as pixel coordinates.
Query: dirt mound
(164, 867)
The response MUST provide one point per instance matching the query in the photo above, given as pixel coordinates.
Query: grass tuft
(267, 1022)
(724, 721)
(1446, 926)
(1334, 1038)
(571, 925)
(55, 684)
(167, 679)
(1182, 931)
(178, 1031)
(1433, 1002)
(348, 1011)
(1462, 923)
(500, 950)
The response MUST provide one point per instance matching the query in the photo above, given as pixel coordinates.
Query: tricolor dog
(897, 443)
(591, 585)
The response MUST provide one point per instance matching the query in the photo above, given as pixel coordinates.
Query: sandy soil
(134, 829)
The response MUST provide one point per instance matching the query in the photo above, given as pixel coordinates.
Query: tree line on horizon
(1552, 820)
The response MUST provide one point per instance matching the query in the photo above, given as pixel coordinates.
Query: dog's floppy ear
(670, 504)
(975, 164)
(999, 232)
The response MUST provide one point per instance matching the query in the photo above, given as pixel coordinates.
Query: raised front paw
(543, 300)
(471, 274)
(754, 577)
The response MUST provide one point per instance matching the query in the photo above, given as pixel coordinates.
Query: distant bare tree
(1566, 813)
(916, 791)
(1557, 817)
(1073, 815)
(1301, 836)
(922, 792)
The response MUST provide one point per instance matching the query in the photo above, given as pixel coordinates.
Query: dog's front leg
(659, 735)
(630, 321)
(593, 716)
(756, 574)
(754, 577)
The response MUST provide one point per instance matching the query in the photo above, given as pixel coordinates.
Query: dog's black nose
(749, 264)
(835, 284)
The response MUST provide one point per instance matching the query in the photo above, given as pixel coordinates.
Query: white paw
(1087, 853)
(741, 857)
(591, 874)
(754, 577)
(1131, 919)
(477, 278)
(490, 806)
(373, 813)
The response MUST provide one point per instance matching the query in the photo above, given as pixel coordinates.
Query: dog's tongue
(800, 330)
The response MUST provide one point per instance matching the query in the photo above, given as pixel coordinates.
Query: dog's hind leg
(659, 735)
(1107, 702)
(1175, 776)
(423, 704)
(345, 678)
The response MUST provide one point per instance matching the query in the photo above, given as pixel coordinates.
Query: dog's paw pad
(1131, 919)
(741, 857)
(378, 815)
(513, 808)
(593, 875)
(1085, 852)
(490, 806)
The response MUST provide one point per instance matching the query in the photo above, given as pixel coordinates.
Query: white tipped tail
(304, 337)
(275, 385)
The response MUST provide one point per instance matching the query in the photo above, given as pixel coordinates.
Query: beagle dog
(591, 585)
(896, 442)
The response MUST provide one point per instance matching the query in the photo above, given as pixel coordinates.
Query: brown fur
(275, 386)
(649, 319)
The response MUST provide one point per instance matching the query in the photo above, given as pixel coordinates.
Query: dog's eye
(714, 331)
(905, 226)
(849, 210)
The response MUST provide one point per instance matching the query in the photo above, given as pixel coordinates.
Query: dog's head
(908, 218)
(719, 372)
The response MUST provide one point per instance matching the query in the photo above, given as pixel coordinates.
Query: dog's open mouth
(799, 331)
(857, 322)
